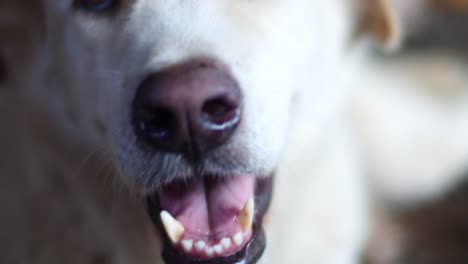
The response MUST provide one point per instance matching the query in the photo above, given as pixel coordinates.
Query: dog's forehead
(230, 9)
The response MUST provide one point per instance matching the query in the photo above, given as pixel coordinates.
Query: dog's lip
(249, 254)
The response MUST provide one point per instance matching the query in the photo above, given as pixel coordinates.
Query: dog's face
(107, 54)
(192, 99)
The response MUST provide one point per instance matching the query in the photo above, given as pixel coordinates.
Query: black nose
(188, 109)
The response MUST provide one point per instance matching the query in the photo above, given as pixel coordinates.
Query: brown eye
(97, 5)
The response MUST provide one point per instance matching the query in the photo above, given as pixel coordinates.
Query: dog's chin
(212, 220)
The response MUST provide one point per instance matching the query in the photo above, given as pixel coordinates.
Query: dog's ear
(379, 20)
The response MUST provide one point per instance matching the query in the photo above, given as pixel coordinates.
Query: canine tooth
(200, 245)
(218, 249)
(187, 244)
(209, 251)
(238, 238)
(246, 216)
(174, 229)
(226, 242)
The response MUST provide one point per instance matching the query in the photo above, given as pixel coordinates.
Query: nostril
(187, 109)
(158, 125)
(204, 65)
(220, 113)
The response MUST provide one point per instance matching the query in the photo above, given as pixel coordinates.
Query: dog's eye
(98, 5)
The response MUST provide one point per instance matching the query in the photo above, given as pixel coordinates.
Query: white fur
(412, 112)
(290, 59)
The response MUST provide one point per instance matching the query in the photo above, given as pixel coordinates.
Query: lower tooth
(238, 238)
(209, 251)
(187, 245)
(226, 242)
(200, 245)
(218, 249)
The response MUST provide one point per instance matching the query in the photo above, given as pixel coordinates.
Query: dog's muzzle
(191, 110)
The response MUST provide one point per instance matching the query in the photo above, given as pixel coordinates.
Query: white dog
(194, 106)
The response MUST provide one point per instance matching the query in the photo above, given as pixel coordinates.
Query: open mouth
(212, 220)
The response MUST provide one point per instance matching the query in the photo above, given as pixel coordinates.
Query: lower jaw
(249, 254)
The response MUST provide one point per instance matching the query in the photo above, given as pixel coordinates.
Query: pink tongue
(208, 208)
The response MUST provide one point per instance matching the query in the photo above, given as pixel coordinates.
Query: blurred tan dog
(412, 109)
(413, 118)
(192, 107)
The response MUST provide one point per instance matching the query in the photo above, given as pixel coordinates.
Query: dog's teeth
(187, 244)
(218, 249)
(238, 239)
(246, 216)
(174, 229)
(226, 242)
(209, 251)
(200, 245)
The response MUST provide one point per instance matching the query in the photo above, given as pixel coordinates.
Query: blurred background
(419, 172)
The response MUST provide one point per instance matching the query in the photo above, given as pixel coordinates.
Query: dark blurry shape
(3, 70)
(431, 233)
(442, 25)
(18, 15)
(437, 232)
(100, 258)
(457, 6)
(21, 26)
(97, 6)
